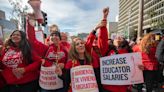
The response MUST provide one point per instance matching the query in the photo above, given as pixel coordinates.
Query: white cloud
(76, 16)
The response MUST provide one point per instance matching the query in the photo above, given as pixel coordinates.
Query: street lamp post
(129, 19)
(140, 18)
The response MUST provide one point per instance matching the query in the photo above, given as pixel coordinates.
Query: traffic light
(45, 18)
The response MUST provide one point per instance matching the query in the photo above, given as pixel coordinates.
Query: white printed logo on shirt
(12, 58)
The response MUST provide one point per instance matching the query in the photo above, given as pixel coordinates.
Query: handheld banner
(39, 36)
(121, 69)
(49, 79)
(83, 79)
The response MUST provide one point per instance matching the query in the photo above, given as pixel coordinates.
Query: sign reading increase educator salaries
(121, 69)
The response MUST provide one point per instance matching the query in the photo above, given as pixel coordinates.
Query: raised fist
(105, 12)
(35, 4)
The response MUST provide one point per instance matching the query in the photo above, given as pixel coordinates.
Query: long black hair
(23, 45)
(125, 45)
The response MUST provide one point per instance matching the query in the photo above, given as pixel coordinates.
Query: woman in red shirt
(54, 55)
(148, 48)
(20, 64)
(122, 47)
(79, 56)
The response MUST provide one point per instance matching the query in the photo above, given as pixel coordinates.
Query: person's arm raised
(30, 30)
(103, 33)
(35, 4)
(105, 12)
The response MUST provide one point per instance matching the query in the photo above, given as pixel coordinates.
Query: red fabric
(89, 48)
(63, 55)
(89, 42)
(31, 70)
(136, 48)
(96, 60)
(149, 60)
(71, 64)
(42, 49)
(116, 88)
(38, 46)
(47, 41)
(66, 45)
(122, 51)
(103, 40)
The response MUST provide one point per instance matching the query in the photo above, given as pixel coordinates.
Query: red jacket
(136, 48)
(89, 48)
(66, 45)
(45, 51)
(149, 60)
(16, 61)
(95, 58)
(122, 51)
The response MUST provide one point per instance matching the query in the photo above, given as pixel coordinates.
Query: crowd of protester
(23, 58)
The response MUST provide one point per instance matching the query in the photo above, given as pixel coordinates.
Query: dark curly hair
(24, 46)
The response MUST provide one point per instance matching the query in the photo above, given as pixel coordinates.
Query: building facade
(6, 26)
(113, 28)
(137, 15)
(153, 14)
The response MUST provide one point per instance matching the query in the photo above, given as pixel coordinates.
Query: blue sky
(73, 16)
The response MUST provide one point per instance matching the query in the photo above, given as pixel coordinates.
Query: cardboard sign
(48, 78)
(121, 69)
(1, 35)
(39, 36)
(83, 79)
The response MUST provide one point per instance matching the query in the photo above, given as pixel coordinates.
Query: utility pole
(129, 19)
(140, 18)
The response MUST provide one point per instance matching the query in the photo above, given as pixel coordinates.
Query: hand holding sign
(43, 61)
(18, 72)
(58, 70)
(61, 65)
(141, 67)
